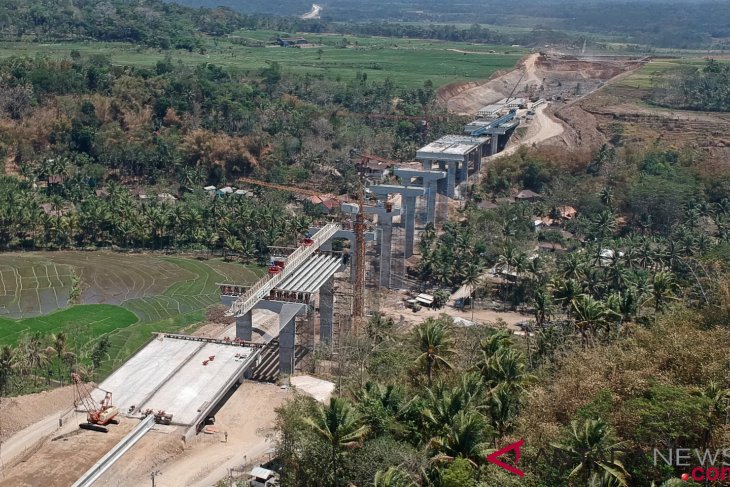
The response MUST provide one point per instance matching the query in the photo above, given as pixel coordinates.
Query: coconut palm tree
(591, 315)
(380, 405)
(663, 289)
(8, 364)
(573, 266)
(434, 341)
(502, 405)
(719, 406)
(625, 304)
(542, 303)
(565, 292)
(472, 278)
(593, 452)
(339, 425)
(495, 342)
(505, 367)
(467, 437)
(58, 345)
(393, 477)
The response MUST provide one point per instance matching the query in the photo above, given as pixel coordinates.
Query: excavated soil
(60, 462)
(17, 413)
(563, 80)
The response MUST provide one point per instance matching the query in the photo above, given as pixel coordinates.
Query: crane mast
(358, 301)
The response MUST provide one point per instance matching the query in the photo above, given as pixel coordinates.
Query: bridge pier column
(409, 205)
(450, 178)
(464, 176)
(287, 337)
(244, 326)
(431, 203)
(327, 310)
(495, 144)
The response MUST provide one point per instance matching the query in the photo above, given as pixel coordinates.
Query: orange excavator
(98, 415)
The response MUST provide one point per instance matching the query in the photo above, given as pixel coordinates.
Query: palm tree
(506, 367)
(379, 405)
(467, 438)
(591, 315)
(502, 404)
(663, 287)
(573, 266)
(442, 403)
(495, 342)
(232, 245)
(393, 477)
(35, 354)
(591, 448)
(606, 196)
(719, 407)
(566, 292)
(602, 225)
(339, 425)
(58, 345)
(472, 278)
(434, 341)
(625, 304)
(7, 365)
(542, 303)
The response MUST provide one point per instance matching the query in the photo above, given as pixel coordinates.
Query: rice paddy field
(656, 68)
(407, 62)
(125, 297)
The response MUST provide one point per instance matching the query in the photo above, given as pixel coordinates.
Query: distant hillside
(148, 22)
(663, 23)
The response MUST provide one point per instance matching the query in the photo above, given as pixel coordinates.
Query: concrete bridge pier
(244, 326)
(426, 179)
(288, 313)
(409, 195)
(327, 310)
(464, 171)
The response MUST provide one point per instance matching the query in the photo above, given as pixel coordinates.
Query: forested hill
(663, 23)
(149, 22)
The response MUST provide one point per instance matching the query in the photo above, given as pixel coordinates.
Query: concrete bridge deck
(168, 374)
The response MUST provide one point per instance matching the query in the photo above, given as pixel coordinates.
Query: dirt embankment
(17, 413)
(563, 80)
(247, 417)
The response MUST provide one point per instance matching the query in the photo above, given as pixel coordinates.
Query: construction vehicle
(98, 415)
(161, 417)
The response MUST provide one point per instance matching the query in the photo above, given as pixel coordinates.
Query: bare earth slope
(563, 80)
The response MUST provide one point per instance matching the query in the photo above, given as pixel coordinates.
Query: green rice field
(407, 62)
(126, 297)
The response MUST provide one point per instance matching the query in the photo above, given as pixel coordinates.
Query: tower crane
(98, 415)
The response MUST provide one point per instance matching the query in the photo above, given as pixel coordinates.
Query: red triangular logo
(493, 458)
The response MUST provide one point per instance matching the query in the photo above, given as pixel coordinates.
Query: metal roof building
(490, 111)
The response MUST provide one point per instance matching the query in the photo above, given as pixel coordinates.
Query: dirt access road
(566, 79)
(247, 416)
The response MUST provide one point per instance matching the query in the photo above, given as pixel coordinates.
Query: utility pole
(153, 475)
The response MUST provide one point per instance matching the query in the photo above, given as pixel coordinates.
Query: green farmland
(407, 62)
(166, 294)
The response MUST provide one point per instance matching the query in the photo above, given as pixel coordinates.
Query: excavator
(98, 415)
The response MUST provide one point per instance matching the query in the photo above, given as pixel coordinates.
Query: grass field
(642, 78)
(166, 294)
(408, 62)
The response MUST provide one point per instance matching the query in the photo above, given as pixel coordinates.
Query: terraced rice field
(127, 297)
